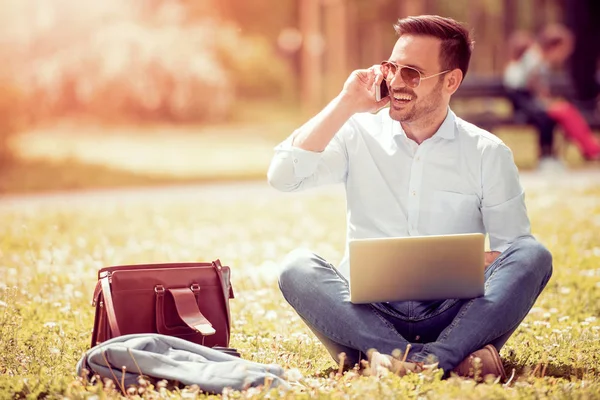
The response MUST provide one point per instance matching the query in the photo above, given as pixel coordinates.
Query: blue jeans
(445, 331)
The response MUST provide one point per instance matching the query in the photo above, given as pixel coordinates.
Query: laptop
(417, 268)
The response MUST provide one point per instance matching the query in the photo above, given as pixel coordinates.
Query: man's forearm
(316, 134)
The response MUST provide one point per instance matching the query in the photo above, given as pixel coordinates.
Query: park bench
(483, 101)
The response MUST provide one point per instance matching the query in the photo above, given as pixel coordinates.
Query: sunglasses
(411, 76)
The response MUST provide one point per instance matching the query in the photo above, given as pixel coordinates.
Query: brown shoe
(489, 364)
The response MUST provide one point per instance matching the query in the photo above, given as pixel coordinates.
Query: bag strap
(187, 309)
(109, 305)
(95, 331)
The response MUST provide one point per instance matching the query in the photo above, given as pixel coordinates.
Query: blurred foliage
(259, 17)
(254, 69)
(135, 61)
(188, 60)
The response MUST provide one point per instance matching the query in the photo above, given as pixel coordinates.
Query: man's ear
(453, 80)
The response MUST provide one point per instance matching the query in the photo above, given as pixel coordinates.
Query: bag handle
(110, 307)
(186, 305)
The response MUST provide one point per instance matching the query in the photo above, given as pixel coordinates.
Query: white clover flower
(271, 315)
(294, 374)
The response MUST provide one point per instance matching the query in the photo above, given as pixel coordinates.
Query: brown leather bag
(187, 300)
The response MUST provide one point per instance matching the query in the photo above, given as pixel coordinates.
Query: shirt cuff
(305, 162)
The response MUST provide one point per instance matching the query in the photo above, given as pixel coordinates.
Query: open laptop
(417, 268)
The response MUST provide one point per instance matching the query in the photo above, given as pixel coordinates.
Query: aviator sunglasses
(411, 76)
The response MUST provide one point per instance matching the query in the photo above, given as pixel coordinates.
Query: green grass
(49, 255)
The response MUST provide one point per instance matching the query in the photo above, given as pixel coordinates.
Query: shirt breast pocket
(453, 212)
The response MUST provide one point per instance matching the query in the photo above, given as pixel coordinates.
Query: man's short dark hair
(456, 46)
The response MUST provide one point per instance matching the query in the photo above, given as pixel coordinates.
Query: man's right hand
(358, 93)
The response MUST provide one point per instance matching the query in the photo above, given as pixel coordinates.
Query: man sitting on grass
(416, 169)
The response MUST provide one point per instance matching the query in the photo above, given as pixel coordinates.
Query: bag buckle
(195, 288)
(159, 289)
(205, 329)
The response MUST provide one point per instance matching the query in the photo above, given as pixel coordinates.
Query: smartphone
(381, 91)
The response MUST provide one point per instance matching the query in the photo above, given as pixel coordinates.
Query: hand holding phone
(362, 88)
(381, 91)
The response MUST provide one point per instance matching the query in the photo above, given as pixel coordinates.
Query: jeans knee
(537, 258)
(293, 271)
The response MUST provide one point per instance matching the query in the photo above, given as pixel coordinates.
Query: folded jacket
(167, 357)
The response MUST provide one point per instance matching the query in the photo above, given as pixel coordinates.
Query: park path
(234, 191)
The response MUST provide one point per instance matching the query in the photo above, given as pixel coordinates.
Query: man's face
(421, 53)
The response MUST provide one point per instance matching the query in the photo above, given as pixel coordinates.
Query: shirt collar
(445, 131)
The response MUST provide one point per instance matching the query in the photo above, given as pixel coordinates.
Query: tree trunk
(310, 64)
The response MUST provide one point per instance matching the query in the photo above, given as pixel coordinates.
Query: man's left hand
(490, 257)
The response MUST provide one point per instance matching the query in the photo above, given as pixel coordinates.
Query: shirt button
(414, 193)
(418, 158)
(295, 160)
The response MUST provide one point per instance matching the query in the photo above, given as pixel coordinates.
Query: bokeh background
(117, 93)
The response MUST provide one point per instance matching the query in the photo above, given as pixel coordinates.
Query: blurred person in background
(414, 169)
(527, 78)
(522, 64)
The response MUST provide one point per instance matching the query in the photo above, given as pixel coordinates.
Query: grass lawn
(50, 252)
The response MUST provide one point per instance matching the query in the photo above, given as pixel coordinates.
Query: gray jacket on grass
(174, 359)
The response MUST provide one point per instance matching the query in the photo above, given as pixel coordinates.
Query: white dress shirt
(461, 180)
